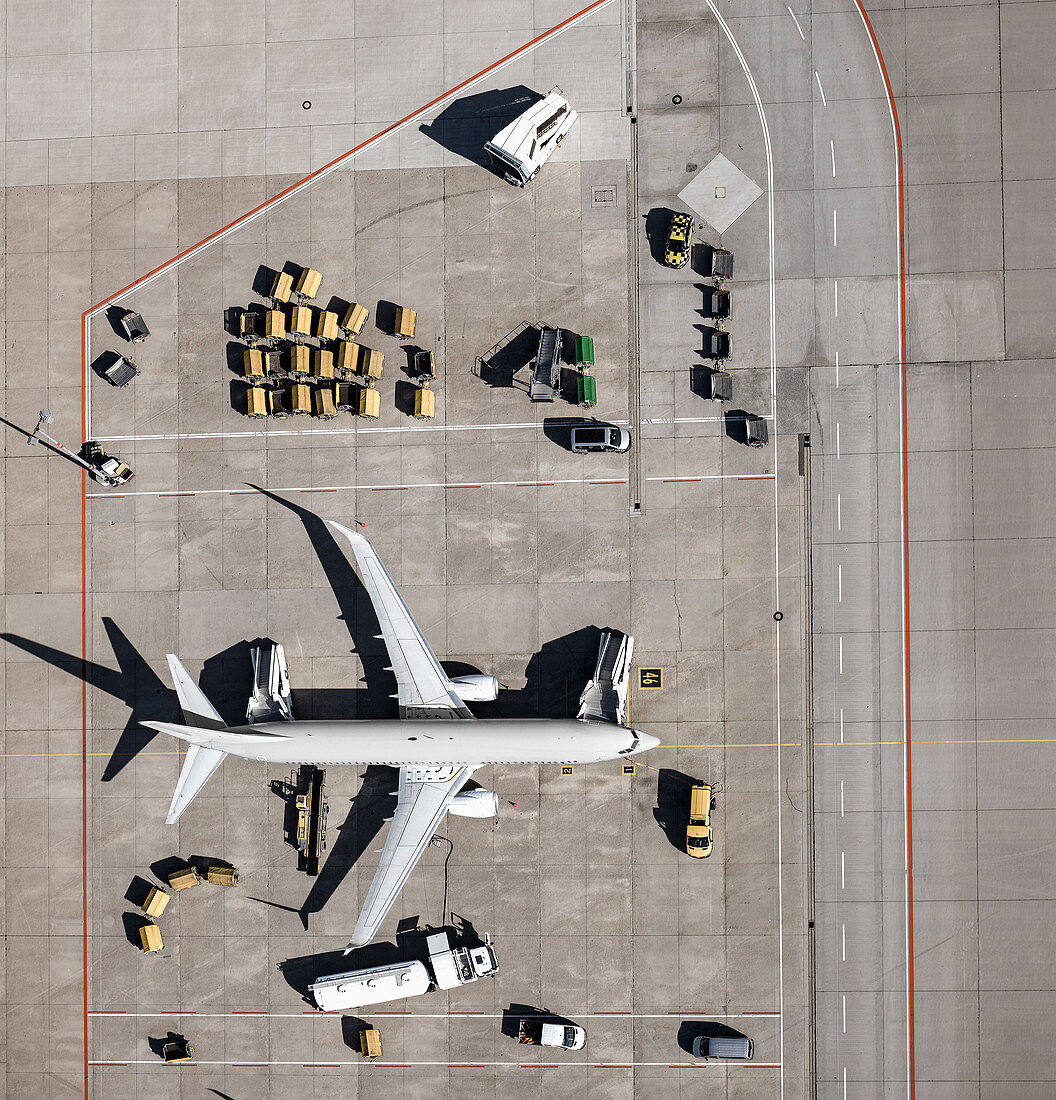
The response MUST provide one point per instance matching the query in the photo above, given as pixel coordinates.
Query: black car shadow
(672, 805)
(690, 1029)
(657, 227)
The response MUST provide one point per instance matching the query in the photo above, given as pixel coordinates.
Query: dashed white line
(844, 1083)
(796, 21)
(837, 370)
(841, 654)
(843, 884)
(837, 439)
(841, 725)
(839, 582)
(839, 515)
(836, 297)
(841, 798)
(832, 152)
(834, 227)
(845, 1013)
(820, 89)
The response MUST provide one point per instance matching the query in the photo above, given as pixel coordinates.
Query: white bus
(522, 148)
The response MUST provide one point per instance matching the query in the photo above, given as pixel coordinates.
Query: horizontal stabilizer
(197, 710)
(198, 766)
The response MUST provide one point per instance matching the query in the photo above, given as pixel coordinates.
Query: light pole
(110, 471)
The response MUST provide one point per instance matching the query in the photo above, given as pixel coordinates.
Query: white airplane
(436, 758)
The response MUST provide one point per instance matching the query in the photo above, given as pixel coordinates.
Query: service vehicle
(732, 1048)
(539, 1033)
(448, 967)
(520, 149)
(679, 240)
(600, 437)
(698, 831)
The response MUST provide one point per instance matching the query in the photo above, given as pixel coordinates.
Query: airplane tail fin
(200, 762)
(197, 710)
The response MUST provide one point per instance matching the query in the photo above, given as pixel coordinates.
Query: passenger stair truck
(449, 967)
(520, 149)
(546, 370)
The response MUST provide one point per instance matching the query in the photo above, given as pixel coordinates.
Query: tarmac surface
(511, 552)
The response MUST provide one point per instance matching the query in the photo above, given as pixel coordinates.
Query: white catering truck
(520, 149)
(450, 966)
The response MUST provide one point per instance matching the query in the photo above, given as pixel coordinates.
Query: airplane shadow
(134, 682)
(375, 699)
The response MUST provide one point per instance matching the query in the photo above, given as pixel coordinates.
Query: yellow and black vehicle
(679, 240)
(698, 831)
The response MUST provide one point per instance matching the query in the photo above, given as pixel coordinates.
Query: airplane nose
(646, 741)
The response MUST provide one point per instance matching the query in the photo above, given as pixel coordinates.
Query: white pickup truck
(449, 966)
(539, 1033)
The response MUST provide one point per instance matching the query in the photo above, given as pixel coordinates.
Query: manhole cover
(603, 196)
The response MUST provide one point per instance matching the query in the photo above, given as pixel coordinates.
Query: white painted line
(837, 370)
(839, 582)
(839, 513)
(845, 1013)
(832, 152)
(843, 883)
(841, 654)
(841, 725)
(469, 1063)
(843, 930)
(836, 297)
(837, 439)
(764, 126)
(834, 238)
(820, 89)
(796, 21)
(844, 1083)
(841, 798)
(615, 1014)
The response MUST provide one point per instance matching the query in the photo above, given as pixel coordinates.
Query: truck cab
(698, 831)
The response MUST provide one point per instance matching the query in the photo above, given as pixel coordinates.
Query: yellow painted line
(950, 741)
(12, 755)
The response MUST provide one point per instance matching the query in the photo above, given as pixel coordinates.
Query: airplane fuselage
(436, 743)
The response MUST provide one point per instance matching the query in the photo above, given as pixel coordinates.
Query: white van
(600, 437)
(341, 992)
(733, 1048)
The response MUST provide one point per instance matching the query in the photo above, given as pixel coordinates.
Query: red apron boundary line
(903, 358)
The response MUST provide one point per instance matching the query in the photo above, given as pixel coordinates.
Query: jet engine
(475, 803)
(476, 688)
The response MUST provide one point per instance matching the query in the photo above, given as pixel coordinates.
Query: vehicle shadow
(499, 364)
(672, 805)
(466, 124)
(690, 1029)
(657, 225)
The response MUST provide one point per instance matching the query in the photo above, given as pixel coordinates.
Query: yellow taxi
(698, 831)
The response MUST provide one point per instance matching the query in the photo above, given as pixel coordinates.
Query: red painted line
(244, 493)
(903, 356)
(392, 489)
(685, 479)
(532, 484)
(318, 490)
(84, 716)
(322, 1065)
(248, 1012)
(175, 494)
(758, 477)
(249, 1065)
(123, 1064)
(623, 481)
(464, 1065)
(463, 486)
(355, 149)
(181, 1065)
(612, 1065)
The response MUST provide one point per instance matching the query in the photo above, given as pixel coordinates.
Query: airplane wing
(421, 683)
(420, 808)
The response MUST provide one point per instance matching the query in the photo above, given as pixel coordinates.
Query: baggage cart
(150, 938)
(424, 403)
(586, 391)
(369, 402)
(183, 878)
(281, 288)
(406, 319)
(370, 1043)
(156, 901)
(355, 318)
(222, 874)
(135, 327)
(583, 351)
(308, 283)
(121, 372)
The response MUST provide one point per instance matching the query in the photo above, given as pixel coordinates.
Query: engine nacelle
(475, 803)
(476, 688)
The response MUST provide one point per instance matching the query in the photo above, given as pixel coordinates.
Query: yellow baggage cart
(156, 901)
(355, 318)
(424, 403)
(369, 403)
(150, 938)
